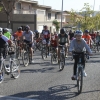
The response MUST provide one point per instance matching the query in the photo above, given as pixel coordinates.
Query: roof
(43, 6)
(29, 1)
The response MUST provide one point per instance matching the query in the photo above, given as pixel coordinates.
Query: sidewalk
(13, 98)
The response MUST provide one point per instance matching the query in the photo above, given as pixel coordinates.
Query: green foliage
(56, 23)
(1, 8)
(88, 21)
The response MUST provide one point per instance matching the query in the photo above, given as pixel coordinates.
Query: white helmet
(5, 29)
(79, 32)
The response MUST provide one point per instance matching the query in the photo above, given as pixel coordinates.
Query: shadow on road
(42, 70)
(93, 61)
(60, 92)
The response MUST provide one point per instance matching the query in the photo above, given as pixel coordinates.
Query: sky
(68, 4)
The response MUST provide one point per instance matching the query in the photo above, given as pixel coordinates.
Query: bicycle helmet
(79, 32)
(27, 28)
(45, 26)
(62, 31)
(5, 29)
(86, 31)
(19, 28)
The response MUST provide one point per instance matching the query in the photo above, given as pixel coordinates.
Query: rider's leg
(66, 49)
(58, 53)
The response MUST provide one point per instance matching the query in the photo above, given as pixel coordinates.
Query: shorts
(47, 41)
(28, 43)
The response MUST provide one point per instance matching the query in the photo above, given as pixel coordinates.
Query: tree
(0, 8)
(87, 22)
(73, 17)
(56, 23)
(7, 7)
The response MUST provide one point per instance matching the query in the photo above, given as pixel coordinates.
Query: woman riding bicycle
(77, 45)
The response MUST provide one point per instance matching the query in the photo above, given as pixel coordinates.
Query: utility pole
(61, 13)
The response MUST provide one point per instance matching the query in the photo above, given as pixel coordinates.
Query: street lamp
(61, 13)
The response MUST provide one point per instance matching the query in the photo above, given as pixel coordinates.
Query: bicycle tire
(80, 80)
(62, 62)
(2, 71)
(43, 53)
(25, 55)
(15, 68)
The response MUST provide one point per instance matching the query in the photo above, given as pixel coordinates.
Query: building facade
(27, 12)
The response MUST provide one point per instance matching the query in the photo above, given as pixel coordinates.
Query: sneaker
(73, 77)
(88, 57)
(84, 74)
(32, 61)
(66, 56)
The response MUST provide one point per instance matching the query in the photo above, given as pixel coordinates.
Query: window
(55, 16)
(41, 12)
(49, 16)
(18, 5)
(29, 6)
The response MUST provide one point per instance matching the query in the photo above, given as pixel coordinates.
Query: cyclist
(54, 41)
(6, 33)
(77, 45)
(98, 38)
(93, 36)
(62, 40)
(18, 34)
(87, 37)
(28, 39)
(71, 35)
(46, 36)
(3, 45)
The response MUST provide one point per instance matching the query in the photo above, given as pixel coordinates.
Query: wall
(19, 20)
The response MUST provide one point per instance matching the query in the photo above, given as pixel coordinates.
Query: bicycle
(14, 64)
(38, 45)
(26, 54)
(18, 48)
(62, 57)
(8, 69)
(53, 55)
(79, 71)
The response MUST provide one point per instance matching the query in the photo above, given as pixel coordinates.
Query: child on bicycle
(77, 45)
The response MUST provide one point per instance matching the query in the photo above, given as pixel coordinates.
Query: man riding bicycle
(6, 33)
(28, 39)
(46, 36)
(77, 45)
(54, 41)
(62, 40)
(3, 42)
(18, 35)
(87, 37)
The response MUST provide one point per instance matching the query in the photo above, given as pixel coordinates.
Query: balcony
(16, 11)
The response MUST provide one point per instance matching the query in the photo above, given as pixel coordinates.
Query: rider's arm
(58, 40)
(32, 36)
(71, 47)
(87, 48)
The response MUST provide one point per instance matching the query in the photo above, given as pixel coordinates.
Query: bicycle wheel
(80, 79)
(52, 58)
(62, 62)
(2, 72)
(40, 46)
(15, 72)
(43, 53)
(25, 58)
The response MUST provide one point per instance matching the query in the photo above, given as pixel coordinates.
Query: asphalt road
(43, 81)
